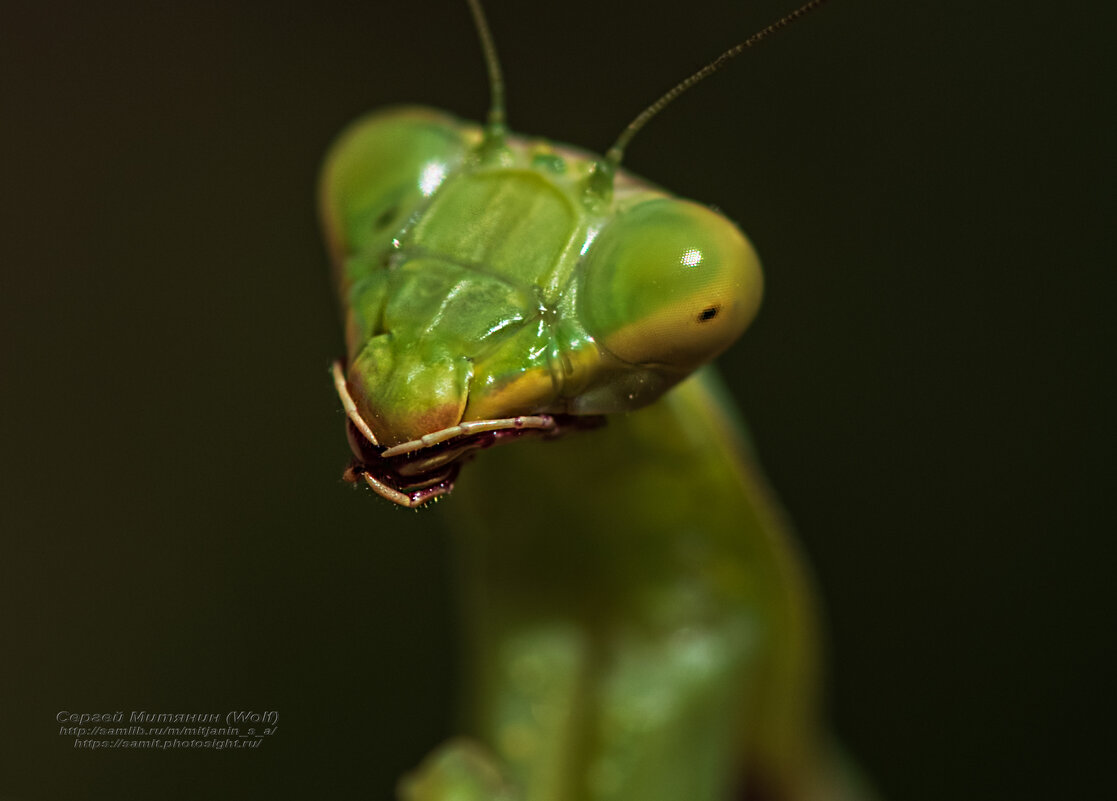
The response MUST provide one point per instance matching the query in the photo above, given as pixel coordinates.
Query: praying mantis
(638, 624)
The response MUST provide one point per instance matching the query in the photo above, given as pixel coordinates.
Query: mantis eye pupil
(708, 313)
(385, 218)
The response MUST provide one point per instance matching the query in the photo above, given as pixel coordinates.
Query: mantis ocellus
(637, 620)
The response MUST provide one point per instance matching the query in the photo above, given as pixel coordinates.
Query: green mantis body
(642, 630)
(638, 627)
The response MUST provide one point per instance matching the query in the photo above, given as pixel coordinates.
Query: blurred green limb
(458, 771)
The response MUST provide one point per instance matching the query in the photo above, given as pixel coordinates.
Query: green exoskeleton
(638, 624)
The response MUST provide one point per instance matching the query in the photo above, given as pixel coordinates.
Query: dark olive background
(931, 190)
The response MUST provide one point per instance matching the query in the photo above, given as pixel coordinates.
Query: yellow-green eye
(669, 282)
(382, 168)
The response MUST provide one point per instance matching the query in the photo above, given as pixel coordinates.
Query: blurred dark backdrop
(930, 187)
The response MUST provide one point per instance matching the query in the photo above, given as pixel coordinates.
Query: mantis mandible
(638, 624)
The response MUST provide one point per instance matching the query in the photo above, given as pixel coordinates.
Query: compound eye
(669, 282)
(380, 170)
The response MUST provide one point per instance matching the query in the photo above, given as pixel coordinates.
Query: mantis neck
(637, 621)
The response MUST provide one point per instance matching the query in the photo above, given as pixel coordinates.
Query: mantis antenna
(614, 155)
(495, 127)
